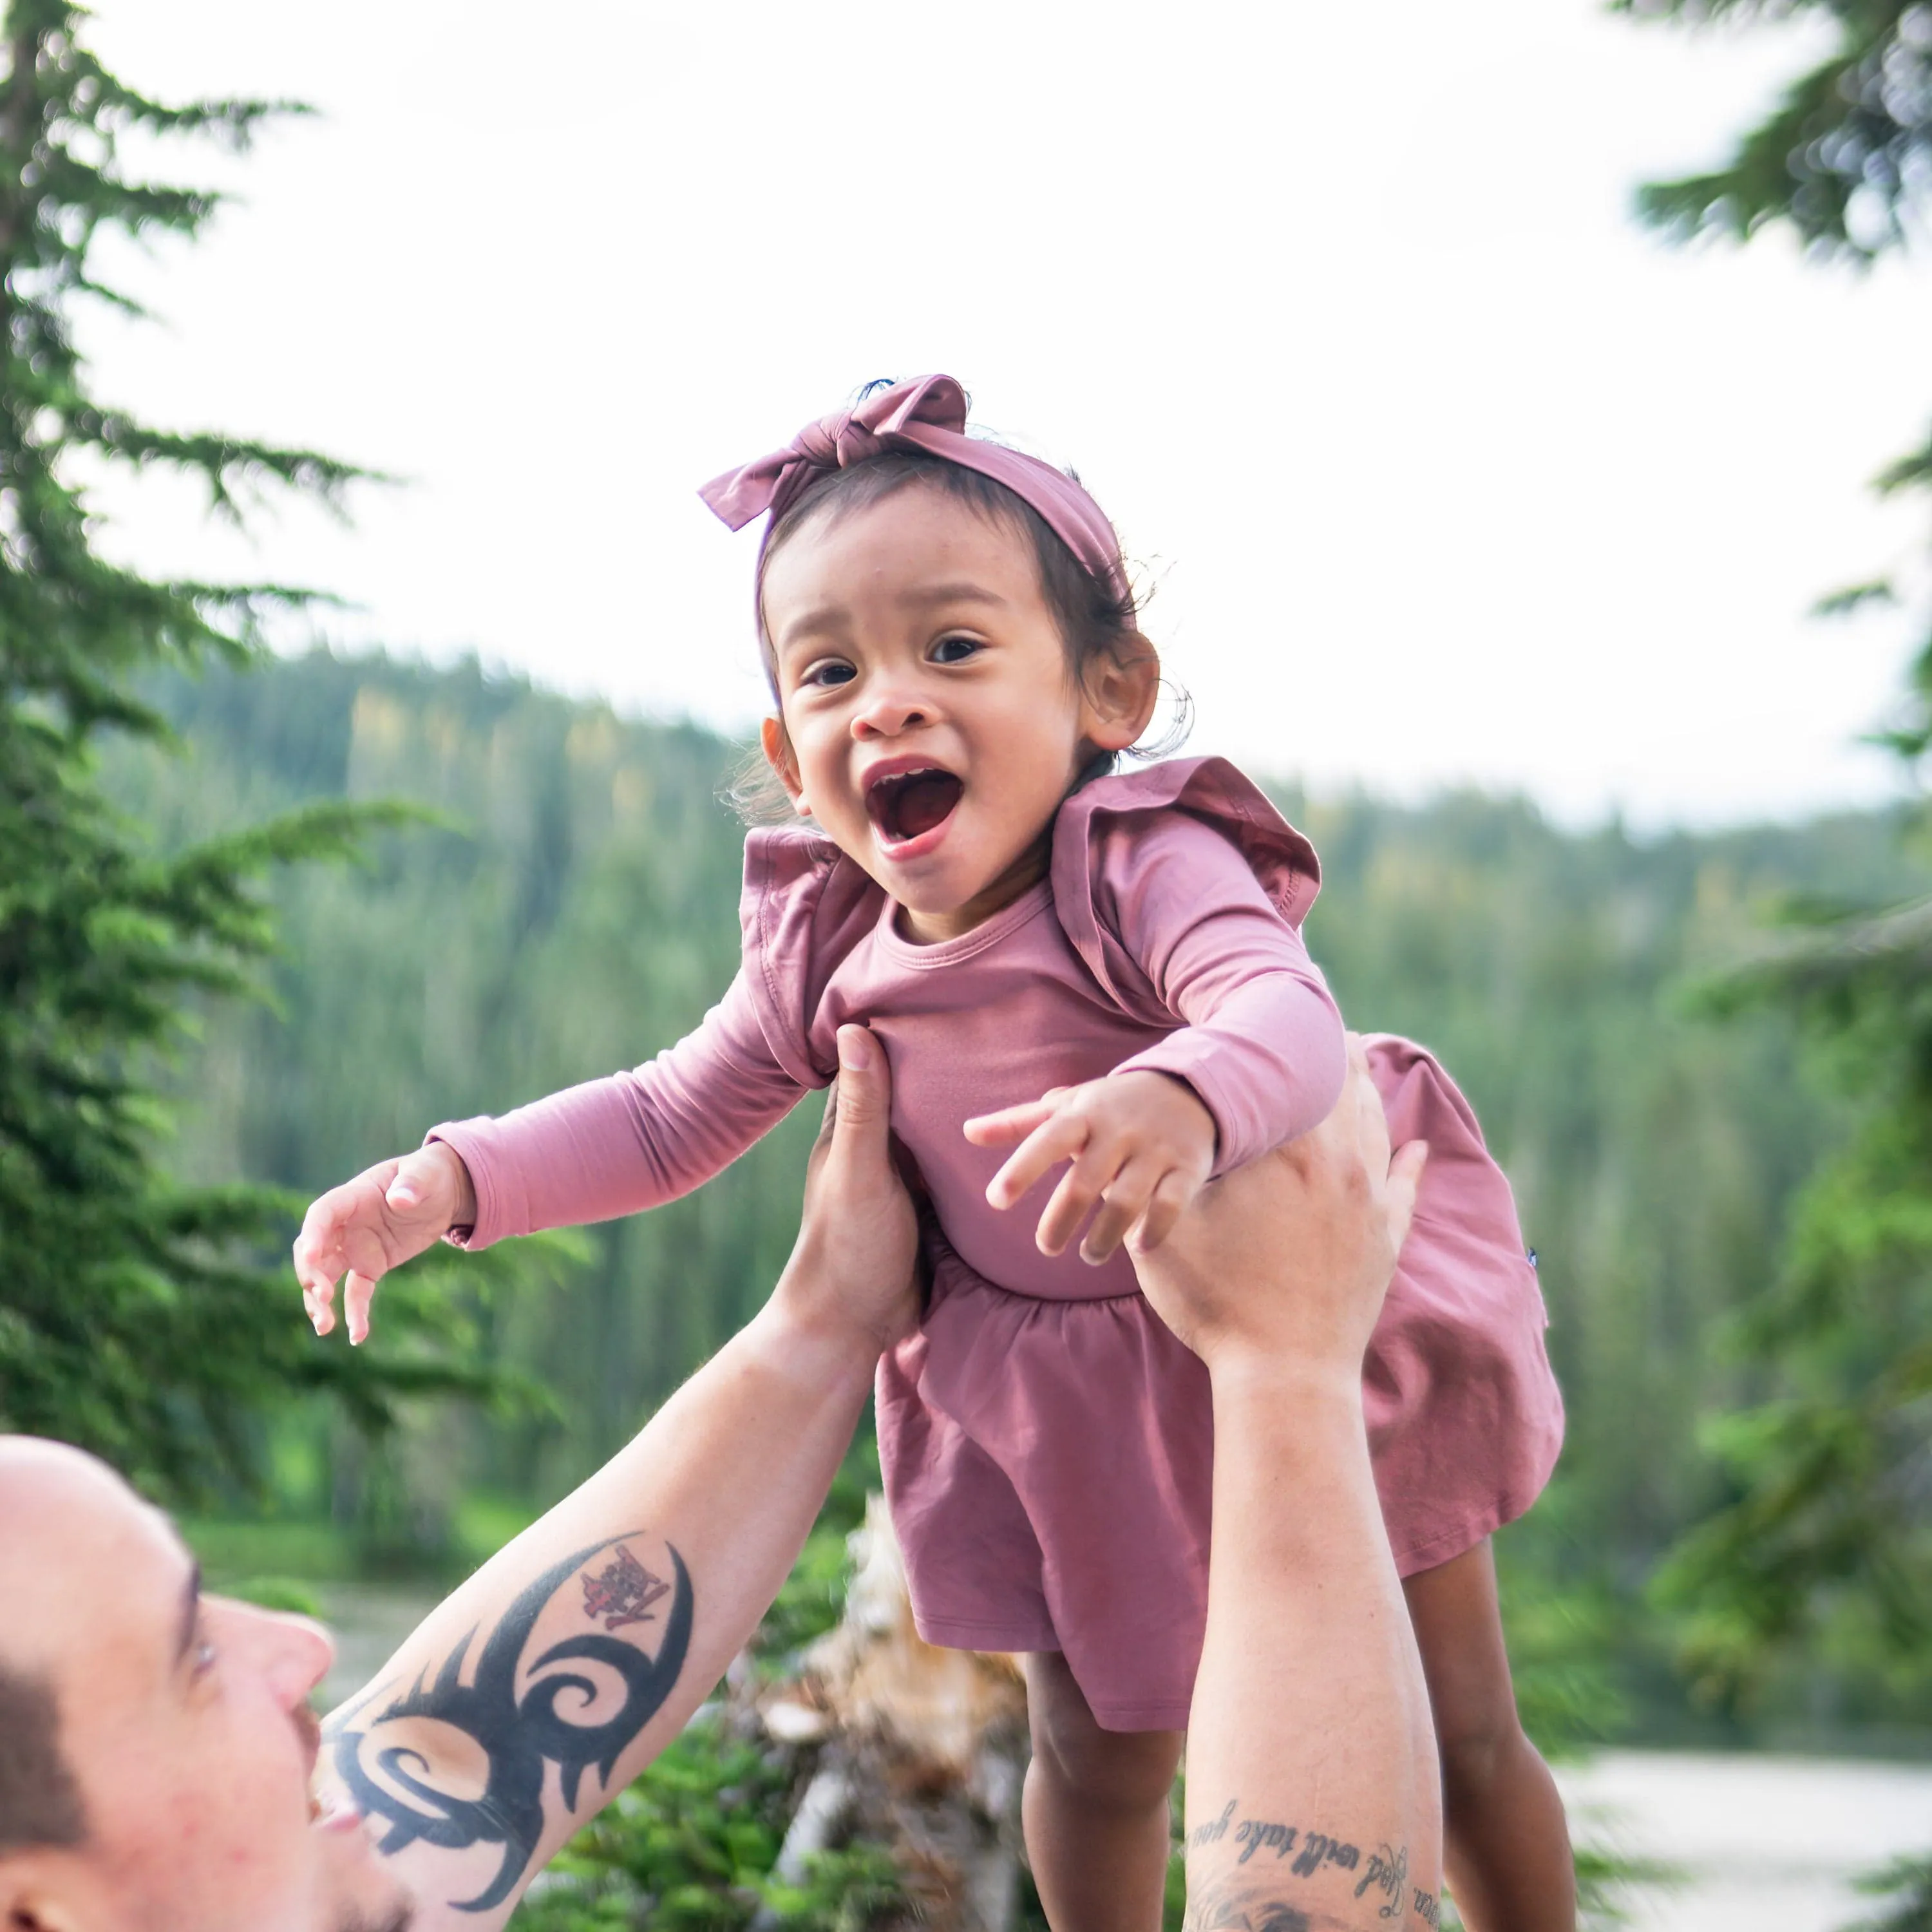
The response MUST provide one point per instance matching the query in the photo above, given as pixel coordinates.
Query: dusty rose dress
(1047, 1444)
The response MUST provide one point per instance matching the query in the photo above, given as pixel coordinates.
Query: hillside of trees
(567, 904)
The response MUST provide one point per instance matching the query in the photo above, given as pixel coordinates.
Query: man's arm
(540, 1688)
(1311, 1787)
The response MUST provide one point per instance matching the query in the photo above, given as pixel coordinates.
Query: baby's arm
(608, 1148)
(1259, 1059)
(632, 1140)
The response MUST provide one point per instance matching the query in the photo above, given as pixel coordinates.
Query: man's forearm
(1311, 1795)
(572, 1657)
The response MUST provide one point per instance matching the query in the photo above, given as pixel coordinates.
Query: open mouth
(904, 806)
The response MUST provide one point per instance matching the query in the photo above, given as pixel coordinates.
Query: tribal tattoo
(520, 1732)
(1238, 1901)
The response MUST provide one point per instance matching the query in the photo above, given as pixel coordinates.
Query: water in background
(1759, 1843)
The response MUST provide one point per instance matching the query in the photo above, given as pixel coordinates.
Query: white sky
(1445, 472)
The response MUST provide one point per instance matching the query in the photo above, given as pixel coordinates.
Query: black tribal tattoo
(520, 1736)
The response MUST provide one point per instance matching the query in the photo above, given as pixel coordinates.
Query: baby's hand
(1141, 1144)
(387, 1214)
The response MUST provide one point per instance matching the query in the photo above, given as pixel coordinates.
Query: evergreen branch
(1907, 1883)
(82, 284)
(224, 462)
(1769, 177)
(1835, 963)
(1913, 472)
(1855, 597)
(1843, 154)
(232, 121)
(253, 599)
(208, 875)
(1697, 12)
(1911, 739)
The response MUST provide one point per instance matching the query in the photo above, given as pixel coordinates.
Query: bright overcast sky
(1444, 471)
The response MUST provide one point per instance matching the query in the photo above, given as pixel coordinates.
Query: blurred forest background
(573, 908)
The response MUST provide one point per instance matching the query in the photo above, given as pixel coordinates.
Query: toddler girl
(1075, 970)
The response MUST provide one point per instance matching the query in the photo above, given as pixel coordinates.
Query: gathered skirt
(1049, 1464)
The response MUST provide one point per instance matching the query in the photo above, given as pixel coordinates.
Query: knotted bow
(927, 413)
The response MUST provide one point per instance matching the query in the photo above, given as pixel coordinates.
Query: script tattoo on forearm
(1245, 1902)
(519, 1734)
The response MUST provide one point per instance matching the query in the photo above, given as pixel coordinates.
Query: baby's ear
(1121, 688)
(777, 742)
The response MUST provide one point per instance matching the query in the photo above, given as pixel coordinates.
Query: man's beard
(397, 1918)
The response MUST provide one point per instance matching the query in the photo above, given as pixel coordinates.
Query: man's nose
(294, 1653)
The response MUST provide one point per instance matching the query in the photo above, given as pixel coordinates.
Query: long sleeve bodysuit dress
(1047, 1444)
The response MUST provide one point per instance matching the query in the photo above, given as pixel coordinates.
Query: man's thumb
(864, 1086)
(1405, 1182)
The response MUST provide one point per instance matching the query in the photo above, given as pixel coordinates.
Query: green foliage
(1825, 1527)
(136, 1316)
(1844, 160)
(691, 1846)
(285, 1593)
(574, 910)
(1821, 1544)
(1907, 1884)
(1845, 153)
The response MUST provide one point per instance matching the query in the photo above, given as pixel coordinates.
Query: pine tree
(141, 1319)
(1828, 1523)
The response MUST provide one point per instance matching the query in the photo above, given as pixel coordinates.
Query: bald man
(160, 1767)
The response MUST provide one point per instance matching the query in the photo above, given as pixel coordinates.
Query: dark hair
(1096, 618)
(40, 1800)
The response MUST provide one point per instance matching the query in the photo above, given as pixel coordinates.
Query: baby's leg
(1506, 1843)
(1096, 1809)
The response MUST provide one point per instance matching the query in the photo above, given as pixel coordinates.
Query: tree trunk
(921, 1751)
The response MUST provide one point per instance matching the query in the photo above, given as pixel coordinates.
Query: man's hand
(387, 1215)
(1310, 1725)
(1287, 1259)
(1141, 1144)
(855, 1264)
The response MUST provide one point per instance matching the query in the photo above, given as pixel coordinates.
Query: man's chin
(366, 1896)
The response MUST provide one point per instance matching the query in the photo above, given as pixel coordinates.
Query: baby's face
(935, 725)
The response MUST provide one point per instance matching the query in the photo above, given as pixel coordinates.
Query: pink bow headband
(927, 413)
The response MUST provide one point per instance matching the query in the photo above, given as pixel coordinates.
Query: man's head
(156, 1745)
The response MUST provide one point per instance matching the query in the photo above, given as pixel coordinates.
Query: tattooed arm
(555, 1673)
(1311, 1798)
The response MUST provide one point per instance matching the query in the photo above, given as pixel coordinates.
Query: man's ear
(34, 1896)
(777, 743)
(1118, 692)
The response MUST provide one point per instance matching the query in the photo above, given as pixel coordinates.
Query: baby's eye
(828, 675)
(202, 1657)
(955, 650)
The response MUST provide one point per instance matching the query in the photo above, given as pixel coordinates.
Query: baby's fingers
(319, 1303)
(357, 1292)
(316, 1278)
(1012, 1124)
(1171, 1199)
(1059, 1138)
(1081, 1185)
(1126, 1197)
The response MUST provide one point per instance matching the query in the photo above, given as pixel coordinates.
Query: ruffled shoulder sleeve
(804, 906)
(1098, 822)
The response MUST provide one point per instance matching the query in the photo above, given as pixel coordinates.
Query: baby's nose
(889, 712)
